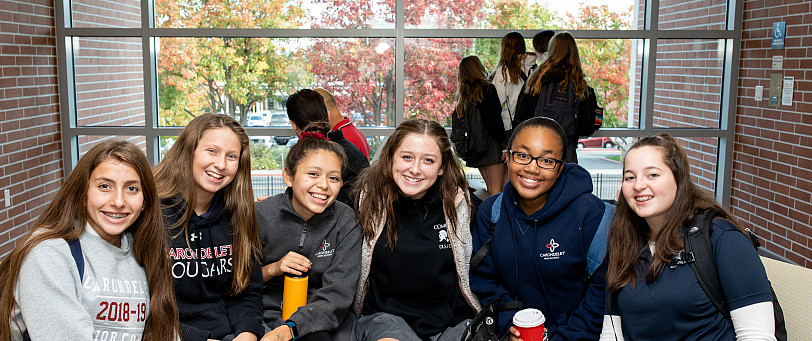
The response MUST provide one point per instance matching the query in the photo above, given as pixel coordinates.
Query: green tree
(606, 61)
(222, 75)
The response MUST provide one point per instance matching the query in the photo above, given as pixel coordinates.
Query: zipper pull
(304, 232)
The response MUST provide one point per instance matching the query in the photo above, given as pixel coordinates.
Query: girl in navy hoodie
(548, 217)
(204, 183)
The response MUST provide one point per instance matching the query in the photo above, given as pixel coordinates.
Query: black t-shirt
(418, 279)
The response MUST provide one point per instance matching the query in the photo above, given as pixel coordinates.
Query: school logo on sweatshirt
(552, 246)
(325, 250)
(442, 237)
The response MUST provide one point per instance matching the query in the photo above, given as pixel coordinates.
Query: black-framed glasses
(542, 161)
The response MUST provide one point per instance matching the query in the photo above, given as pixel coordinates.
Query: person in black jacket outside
(204, 183)
(307, 106)
(474, 89)
(562, 67)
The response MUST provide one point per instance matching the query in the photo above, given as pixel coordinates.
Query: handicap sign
(779, 30)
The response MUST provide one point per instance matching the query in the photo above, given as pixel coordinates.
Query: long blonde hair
(173, 179)
(66, 218)
(564, 56)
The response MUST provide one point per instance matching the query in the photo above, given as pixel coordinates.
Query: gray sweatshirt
(332, 243)
(110, 302)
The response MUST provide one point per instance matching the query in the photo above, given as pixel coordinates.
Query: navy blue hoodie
(540, 259)
(202, 276)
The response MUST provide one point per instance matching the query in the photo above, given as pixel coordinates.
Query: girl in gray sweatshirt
(305, 231)
(94, 266)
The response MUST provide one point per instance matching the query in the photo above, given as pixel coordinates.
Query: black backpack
(471, 140)
(699, 256)
(564, 108)
(591, 122)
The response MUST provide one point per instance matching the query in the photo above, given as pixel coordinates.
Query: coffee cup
(530, 324)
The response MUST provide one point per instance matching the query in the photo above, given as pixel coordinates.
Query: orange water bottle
(294, 294)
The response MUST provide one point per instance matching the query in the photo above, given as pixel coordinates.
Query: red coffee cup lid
(528, 318)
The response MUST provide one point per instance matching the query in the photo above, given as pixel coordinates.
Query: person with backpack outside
(510, 74)
(547, 220)
(415, 211)
(561, 69)
(204, 183)
(474, 91)
(305, 231)
(95, 263)
(657, 203)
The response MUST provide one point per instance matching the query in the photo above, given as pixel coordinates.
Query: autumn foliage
(233, 75)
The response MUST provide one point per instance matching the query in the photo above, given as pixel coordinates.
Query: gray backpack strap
(597, 248)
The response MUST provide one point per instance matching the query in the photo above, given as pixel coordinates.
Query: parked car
(281, 120)
(255, 121)
(596, 142)
(291, 142)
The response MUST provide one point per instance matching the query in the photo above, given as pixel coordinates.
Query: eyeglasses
(541, 161)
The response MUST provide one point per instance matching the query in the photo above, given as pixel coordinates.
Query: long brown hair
(471, 80)
(66, 218)
(563, 55)
(511, 55)
(380, 193)
(173, 179)
(629, 234)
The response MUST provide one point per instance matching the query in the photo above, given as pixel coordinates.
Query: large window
(143, 69)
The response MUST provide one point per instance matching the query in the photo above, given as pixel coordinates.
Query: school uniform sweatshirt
(331, 240)
(540, 258)
(111, 300)
(202, 273)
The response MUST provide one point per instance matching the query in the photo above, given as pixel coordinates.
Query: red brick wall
(772, 167)
(106, 13)
(30, 142)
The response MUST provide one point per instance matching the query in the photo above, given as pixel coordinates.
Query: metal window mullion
(150, 67)
(66, 83)
(646, 119)
(727, 115)
(400, 61)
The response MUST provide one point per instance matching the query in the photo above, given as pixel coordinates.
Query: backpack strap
(76, 252)
(495, 211)
(597, 248)
(699, 256)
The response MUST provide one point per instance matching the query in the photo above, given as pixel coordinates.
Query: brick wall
(30, 142)
(772, 167)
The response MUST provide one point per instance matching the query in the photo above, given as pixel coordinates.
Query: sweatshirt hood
(573, 182)
(175, 207)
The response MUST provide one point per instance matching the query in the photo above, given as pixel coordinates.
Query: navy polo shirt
(674, 307)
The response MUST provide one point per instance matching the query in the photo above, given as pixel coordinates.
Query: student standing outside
(339, 122)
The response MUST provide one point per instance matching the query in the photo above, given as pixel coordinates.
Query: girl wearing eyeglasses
(547, 220)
